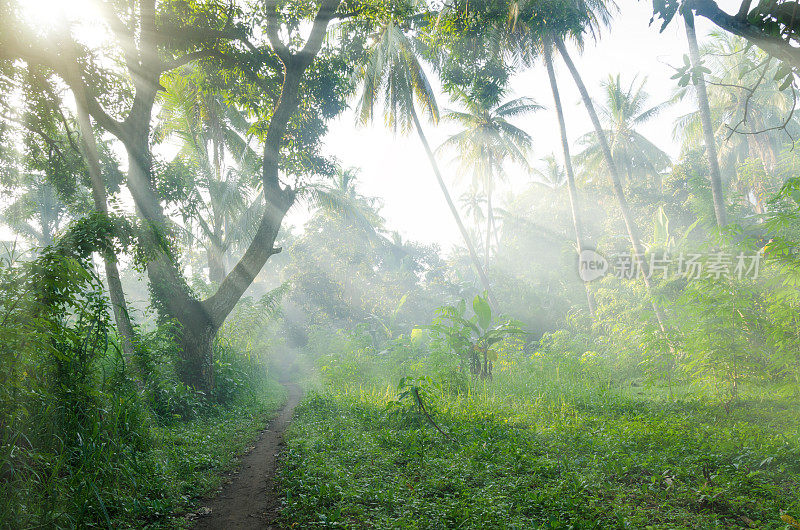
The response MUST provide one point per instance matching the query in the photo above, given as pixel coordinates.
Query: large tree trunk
(170, 292)
(453, 210)
(200, 320)
(571, 186)
(705, 117)
(118, 304)
(616, 185)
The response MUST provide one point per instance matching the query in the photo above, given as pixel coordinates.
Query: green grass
(524, 456)
(189, 459)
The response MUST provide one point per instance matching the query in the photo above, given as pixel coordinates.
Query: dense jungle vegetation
(613, 341)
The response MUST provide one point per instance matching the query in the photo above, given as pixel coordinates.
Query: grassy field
(520, 455)
(191, 457)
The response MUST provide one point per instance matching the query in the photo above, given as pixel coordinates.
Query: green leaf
(483, 311)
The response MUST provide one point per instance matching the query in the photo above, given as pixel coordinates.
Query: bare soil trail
(250, 499)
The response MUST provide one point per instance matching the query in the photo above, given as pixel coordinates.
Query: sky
(395, 168)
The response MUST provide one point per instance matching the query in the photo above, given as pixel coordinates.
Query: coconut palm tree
(211, 133)
(528, 37)
(730, 97)
(473, 203)
(588, 17)
(341, 199)
(552, 176)
(705, 116)
(37, 214)
(393, 73)
(487, 140)
(625, 108)
(616, 181)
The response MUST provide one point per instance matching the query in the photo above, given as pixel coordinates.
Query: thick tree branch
(744, 9)
(103, 119)
(277, 199)
(239, 279)
(36, 55)
(318, 31)
(774, 45)
(278, 46)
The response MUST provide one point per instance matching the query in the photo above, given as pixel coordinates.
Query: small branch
(768, 129)
(186, 59)
(51, 142)
(749, 96)
(428, 416)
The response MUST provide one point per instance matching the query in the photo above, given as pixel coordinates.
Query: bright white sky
(396, 168)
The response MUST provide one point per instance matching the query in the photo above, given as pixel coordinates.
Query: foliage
(83, 442)
(474, 340)
(527, 459)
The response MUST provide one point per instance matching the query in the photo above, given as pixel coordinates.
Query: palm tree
(552, 175)
(547, 47)
(616, 182)
(705, 115)
(211, 131)
(473, 203)
(37, 214)
(730, 98)
(526, 42)
(392, 71)
(340, 199)
(487, 140)
(625, 109)
(591, 15)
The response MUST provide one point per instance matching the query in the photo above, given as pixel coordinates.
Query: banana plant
(474, 339)
(384, 329)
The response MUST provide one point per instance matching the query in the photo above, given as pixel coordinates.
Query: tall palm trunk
(705, 118)
(464, 234)
(115, 291)
(496, 233)
(216, 262)
(571, 186)
(619, 193)
(489, 223)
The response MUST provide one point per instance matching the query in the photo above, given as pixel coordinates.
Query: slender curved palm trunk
(619, 193)
(115, 291)
(464, 234)
(571, 186)
(489, 223)
(496, 232)
(705, 118)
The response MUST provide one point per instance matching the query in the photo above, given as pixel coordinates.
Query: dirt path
(250, 500)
